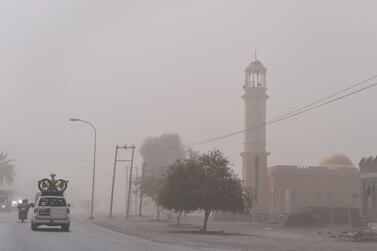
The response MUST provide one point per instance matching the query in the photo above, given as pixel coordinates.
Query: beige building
(330, 188)
(368, 180)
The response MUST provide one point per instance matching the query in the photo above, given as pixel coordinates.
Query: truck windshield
(52, 202)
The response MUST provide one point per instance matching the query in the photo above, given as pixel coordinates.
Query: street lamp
(91, 217)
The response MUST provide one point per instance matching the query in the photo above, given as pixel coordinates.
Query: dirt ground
(234, 235)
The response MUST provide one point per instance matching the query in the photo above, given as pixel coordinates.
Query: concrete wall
(368, 188)
(291, 188)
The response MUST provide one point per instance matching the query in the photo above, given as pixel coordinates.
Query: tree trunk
(207, 212)
(179, 219)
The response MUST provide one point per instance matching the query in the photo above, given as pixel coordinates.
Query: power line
(328, 97)
(314, 105)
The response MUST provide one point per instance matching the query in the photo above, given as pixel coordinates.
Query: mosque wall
(293, 188)
(368, 189)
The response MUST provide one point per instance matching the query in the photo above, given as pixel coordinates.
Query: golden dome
(336, 160)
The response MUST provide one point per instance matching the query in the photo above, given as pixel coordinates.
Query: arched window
(369, 191)
(290, 201)
(329, 199)
(294, 201)
(374, 195)
(318, 199)
(355, 199)
(369, 196)
(276, 201)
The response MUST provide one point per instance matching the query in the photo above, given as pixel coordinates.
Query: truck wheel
(65, 227)
(34, 226)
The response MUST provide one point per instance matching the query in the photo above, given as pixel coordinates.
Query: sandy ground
(233, 235)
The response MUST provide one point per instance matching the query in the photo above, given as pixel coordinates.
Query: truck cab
(51, 211)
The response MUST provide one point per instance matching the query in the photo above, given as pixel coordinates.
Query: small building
(368, 185)
(330, 189)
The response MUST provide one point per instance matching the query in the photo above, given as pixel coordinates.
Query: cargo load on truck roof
(52, 186)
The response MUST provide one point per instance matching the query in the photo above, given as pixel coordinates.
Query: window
(374, 199)
(355, 199)
(369, 196)
(318, 199)
(329, 198)
(52, 202)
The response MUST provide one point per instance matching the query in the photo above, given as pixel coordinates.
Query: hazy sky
(143, 68)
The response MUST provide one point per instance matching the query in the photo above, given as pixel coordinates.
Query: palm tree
(6, 169)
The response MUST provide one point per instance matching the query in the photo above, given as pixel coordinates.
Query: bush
(304, 219)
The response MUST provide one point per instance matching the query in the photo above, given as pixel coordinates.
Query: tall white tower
(254, 157)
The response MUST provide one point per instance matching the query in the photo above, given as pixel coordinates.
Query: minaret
(254, 157)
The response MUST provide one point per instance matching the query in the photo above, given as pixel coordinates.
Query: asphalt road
(83, 235)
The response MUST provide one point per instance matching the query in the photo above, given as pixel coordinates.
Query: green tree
(6, 169)
(158, 153)
(220, 189)
(249, 198)
(178, 187)
(203, 182)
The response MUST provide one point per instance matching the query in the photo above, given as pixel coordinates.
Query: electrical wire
(328, 97)
(314, 105)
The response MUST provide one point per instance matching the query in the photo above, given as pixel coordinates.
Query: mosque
(331, 188)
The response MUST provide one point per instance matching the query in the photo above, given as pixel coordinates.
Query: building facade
(330, 189)
(368, 189)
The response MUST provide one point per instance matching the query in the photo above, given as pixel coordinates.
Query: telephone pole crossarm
(116, 160)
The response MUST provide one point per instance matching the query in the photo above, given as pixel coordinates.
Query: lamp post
(91, 217)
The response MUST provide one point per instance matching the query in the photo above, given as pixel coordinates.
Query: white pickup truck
(51, 211)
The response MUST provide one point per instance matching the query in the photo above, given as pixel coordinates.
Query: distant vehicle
(51, 211)
(5, 204)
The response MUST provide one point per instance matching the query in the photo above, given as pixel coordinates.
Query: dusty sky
(142, 68)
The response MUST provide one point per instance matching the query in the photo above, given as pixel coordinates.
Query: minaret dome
(255, 74)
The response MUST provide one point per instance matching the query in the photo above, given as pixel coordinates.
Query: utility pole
(112, 185)
(116, 160)
(141, 189)
(126, 192)
(135, 187)
(130, 181)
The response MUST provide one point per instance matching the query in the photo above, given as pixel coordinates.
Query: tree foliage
(249, 199)
(177, 189)
(158, 153)
(203, 182)
(6, 169)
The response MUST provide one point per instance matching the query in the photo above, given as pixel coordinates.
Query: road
(83, 236)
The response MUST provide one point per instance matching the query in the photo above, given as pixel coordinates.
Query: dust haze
(143, 68)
